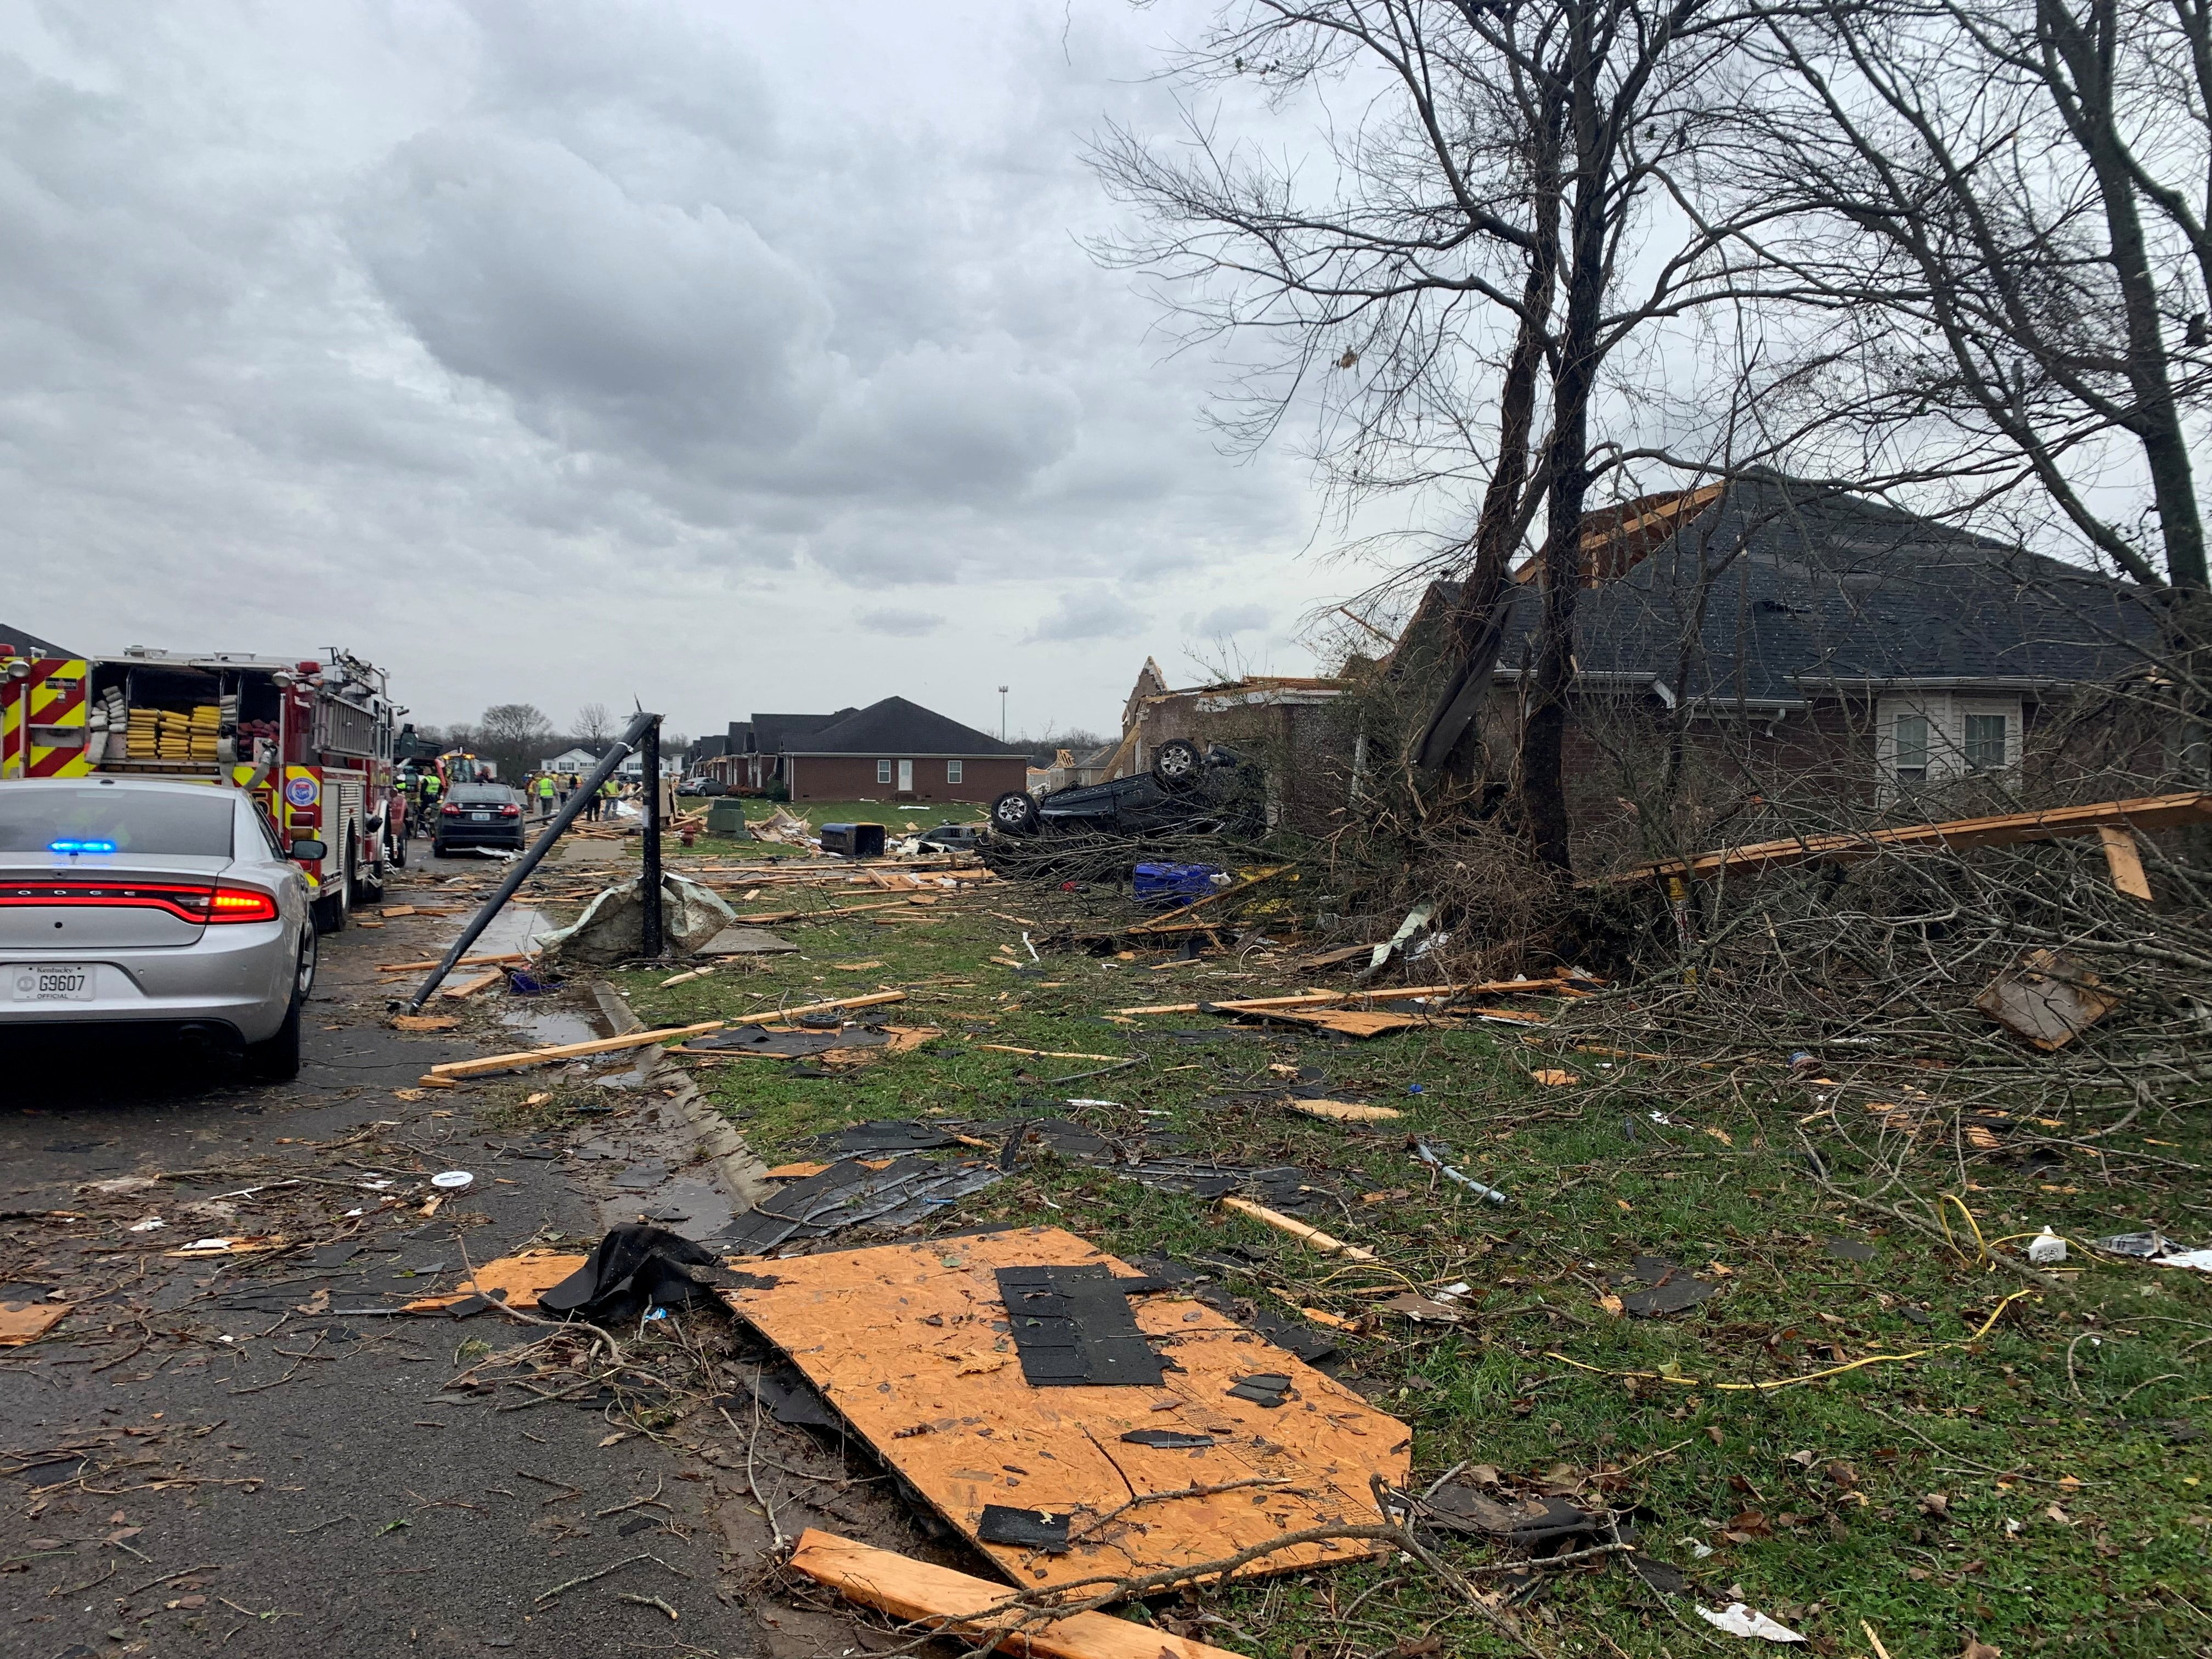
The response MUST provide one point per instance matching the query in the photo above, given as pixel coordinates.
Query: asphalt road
(203, 1457)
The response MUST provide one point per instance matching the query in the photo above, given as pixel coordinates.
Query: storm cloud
(739, 355)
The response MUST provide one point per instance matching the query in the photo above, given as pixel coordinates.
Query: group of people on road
(552, 791)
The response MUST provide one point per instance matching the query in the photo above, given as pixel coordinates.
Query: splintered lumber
(1297, 1230)
(2124, 862)
(2004, 830)
(1344, 1022)
(908, 1342)
(1342, 1111)
(1215, 897)
(956, 1604)
(529, 1057)
(474, 983)
(1302, 999)
(1044, 1053)
(510, 959)
(872, 999)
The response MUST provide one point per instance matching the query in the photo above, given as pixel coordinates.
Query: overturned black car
(1187, 791)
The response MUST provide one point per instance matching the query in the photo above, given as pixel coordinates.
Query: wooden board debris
(474, 983)
(909, 1343)
(2008, 829)
(956, 1604)
(524, 1278)
(1326, 1243)
(1343, 1111)
(27, 1322)
(425, 1023)
(1344, 1022)
(2047, 999)
(2123, 862)
(529, 1057)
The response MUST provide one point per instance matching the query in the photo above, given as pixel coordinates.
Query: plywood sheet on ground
(27, 1322)
(910, 1342)
(523, 1277)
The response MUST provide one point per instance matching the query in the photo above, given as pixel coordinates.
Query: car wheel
(437, 849)
(1176, 763)
(277, 1060)
(398, 853)
(1014, 814)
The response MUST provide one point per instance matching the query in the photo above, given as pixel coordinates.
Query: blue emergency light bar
(79, 847)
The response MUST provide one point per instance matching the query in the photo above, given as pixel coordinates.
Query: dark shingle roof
(773, 734)
(30, 645)
(895, 726)
(1819, 590)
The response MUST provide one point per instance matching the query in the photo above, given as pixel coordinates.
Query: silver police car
(147, 903)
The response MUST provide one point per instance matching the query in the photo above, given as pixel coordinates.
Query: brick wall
(853, 777)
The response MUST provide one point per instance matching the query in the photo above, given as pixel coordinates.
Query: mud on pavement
(258, 1453)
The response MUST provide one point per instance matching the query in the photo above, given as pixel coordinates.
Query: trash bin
(855, 841)
(726, 816)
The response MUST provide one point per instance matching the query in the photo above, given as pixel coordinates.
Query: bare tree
(594, 725)
(1451, 303)
(2000, 208)
(515, 735)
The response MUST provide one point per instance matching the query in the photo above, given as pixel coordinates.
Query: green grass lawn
(893, 815)
(1977, 1490)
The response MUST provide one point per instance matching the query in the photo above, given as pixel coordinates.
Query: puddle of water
(547, 1027)
(514, 928)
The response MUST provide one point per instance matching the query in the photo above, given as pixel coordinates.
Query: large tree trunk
(1452, 740)
(1567, 475)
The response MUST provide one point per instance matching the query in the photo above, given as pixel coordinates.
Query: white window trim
(954, 771)
(882, 771)
(1946, 713)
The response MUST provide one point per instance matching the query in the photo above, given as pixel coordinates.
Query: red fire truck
(309, 738)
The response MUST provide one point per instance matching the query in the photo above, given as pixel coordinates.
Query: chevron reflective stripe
(54, 707)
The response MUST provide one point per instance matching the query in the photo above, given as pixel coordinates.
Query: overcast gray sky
(728, 357)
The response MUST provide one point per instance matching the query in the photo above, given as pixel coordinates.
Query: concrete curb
(743, 1173)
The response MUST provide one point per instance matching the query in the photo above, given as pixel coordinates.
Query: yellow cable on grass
(1953, 1198)
(1995, 1313)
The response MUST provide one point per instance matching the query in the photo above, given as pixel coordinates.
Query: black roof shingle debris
(895, 726)
(1821, 592)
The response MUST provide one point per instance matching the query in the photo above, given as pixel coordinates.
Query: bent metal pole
(585, 792)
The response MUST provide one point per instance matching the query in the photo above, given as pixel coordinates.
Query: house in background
(1812, 641)
(579, 760)
(896, 750)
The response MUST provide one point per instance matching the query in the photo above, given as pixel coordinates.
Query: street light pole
(1002, 714)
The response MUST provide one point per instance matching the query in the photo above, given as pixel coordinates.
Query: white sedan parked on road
(146, 904)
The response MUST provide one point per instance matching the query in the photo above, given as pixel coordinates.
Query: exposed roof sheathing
(913, 1344)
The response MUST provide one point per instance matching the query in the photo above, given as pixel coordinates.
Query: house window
(1985, 742)
(952, 772)
(882, 771)
(1909, 748)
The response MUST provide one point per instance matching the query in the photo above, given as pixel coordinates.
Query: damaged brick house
(1786, 640)
(1285, 724)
